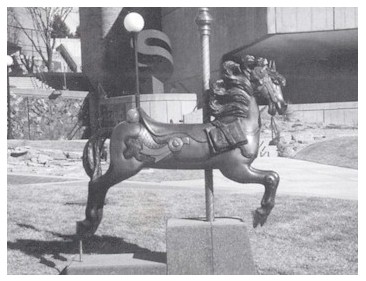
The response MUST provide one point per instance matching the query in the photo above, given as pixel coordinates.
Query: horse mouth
(281, 108)
(277, 107)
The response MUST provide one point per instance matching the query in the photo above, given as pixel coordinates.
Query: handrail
(101, 91)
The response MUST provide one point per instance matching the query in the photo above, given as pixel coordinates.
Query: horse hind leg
(244, 173)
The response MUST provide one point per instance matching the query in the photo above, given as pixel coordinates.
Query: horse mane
(230, 96)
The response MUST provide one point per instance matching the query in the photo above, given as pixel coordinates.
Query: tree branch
(42, 20)
(39, 51)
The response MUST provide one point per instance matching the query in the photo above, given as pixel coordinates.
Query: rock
(296, 125)
(332, 126)
(17, 154)
(73, 155)
(32, 164)
(303, 137)
(285, 137)
(286, 151)
(319, 137)
(19, 151)
(58, 155)
(33, 160)
(43, 159)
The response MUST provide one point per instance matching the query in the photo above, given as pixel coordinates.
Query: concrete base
(198, 247)
(122, 264)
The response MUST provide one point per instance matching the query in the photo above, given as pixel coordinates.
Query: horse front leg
(270, 181)
(244, 173)
(97, 192)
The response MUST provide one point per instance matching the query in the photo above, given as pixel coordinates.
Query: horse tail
(93, 151)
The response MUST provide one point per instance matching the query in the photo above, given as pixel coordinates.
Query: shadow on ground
(59, 249)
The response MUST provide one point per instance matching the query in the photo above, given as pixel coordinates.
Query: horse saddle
(164, 130)
(224, 136)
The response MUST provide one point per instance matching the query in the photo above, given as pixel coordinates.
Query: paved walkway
(300, 178)
(17, 178)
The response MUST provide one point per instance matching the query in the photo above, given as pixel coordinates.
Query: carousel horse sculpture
(229, 143)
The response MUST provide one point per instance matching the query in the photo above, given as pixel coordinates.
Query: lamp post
(203, 20)
(9, 62)
(134, 23)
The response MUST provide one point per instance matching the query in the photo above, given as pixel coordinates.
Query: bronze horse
(229, 143)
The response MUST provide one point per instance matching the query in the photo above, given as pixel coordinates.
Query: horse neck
(251, 123)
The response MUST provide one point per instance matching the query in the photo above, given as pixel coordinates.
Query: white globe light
(134, 22)
(9, 61)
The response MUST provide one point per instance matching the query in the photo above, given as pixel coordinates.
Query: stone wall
(39, 118)
(337, 113)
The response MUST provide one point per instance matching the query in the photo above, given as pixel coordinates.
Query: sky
(72, 19)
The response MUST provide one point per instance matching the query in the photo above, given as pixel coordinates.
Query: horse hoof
(259, 218)
(85, 229)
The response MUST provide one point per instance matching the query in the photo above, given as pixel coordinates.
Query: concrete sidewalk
(298, 177)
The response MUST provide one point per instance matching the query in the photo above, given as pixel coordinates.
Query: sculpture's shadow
(69, 245)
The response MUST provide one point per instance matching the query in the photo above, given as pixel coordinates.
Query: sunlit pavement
(300, 178)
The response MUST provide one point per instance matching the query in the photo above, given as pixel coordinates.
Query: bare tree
(42, 20)
(28, 62)
(13, 33)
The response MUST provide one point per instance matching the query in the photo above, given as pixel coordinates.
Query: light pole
(134, 23)
(203, 20)
(9, 62)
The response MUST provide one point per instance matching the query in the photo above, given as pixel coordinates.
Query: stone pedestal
(198, 247)
(116, 264)
(194, 247)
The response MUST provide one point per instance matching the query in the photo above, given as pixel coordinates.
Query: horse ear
(270, 64)
(274, 66)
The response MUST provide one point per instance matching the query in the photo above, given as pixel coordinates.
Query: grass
(64, 145)
(302, 235)
(342, 152)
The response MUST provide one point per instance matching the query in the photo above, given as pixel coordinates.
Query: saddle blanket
(225, 136)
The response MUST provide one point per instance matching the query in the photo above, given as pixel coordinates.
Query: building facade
(315, 48)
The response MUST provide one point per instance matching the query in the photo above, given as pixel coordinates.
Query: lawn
(302, 235)
(342, 152)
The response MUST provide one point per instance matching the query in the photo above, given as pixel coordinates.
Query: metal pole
(137, 95)
(80, 250)
(9, 110)
(64, 71)
(29, 133)
(203, 20)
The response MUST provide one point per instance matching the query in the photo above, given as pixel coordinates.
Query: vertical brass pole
(137, 94)
(203, 20)
(80, 250)
(9, 134)
(29, 132)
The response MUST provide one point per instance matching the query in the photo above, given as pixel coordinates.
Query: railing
(34, 82)
(43, 79)
(101, 91)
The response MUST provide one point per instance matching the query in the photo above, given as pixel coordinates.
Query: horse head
(267, 82)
